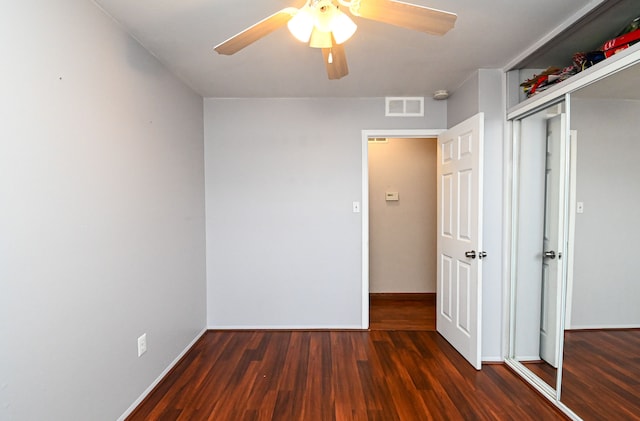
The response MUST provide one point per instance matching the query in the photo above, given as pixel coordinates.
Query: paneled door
(459, 266)
(553, 239)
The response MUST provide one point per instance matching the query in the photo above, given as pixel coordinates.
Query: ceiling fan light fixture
(320, 39)
(302, 24)
(323, 25)
(342, 27)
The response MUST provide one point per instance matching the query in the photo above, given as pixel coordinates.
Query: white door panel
(465, 289)
(465, 190)
(553, 239)
(446, 287)
(446, 203)
(460, 231)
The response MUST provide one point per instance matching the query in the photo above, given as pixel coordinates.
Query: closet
(574, 322)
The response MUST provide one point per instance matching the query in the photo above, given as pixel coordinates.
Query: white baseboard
(596, 327)
(493, 359)
(528, 358)
(284, 327)
(138, 401)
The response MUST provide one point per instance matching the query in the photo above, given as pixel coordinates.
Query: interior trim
(364, 207)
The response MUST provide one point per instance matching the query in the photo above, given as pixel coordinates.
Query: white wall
(605, 285)
(484, 92)
(402, 234)
(101, 214)
(464, 102)
(283, 245)
(492, 103)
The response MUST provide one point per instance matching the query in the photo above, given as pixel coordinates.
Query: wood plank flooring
(403, 371)
(402, 312)
(601, 374)
(337, 375)
(545, 371)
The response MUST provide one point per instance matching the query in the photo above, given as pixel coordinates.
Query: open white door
(459, 289)
(553, 240)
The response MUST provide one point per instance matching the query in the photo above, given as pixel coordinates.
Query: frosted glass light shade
(320, 39)
(342, 27)
(301, 25)
(317, 26)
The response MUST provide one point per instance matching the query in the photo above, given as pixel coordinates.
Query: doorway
(460, 224)
(399, 219)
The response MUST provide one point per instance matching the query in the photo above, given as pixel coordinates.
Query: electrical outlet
(142, 344)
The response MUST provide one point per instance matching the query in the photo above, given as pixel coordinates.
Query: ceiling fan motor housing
(325, 11)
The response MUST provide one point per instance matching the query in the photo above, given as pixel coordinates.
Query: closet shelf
(586, 33)
(600, 70)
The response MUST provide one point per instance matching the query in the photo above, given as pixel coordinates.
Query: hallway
(402, 312)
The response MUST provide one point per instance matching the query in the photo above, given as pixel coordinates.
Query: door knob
(550, 254)
(470, 254)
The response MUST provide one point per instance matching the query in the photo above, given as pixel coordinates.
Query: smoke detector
(441, 94)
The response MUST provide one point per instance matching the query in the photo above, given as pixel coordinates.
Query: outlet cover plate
(142, 344)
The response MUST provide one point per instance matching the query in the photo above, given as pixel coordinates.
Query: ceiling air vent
(404, 106)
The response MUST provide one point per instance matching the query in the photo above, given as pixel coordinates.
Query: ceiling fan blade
(255, 32)
(337, 65)
(405, 15)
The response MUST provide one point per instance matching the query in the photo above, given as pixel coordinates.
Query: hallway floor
(402, 312)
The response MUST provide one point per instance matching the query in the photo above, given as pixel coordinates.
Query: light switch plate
(391, 196)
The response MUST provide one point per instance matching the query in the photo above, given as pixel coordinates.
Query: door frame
(570, 253)
(364, 208)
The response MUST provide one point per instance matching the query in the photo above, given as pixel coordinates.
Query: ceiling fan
(323, 25)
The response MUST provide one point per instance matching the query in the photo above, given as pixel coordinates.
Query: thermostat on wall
(391, 196)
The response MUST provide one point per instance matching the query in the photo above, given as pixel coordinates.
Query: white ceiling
(383, 60)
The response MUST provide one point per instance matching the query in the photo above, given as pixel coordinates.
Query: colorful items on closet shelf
(625, 39)
(582, 61)
(546, 79)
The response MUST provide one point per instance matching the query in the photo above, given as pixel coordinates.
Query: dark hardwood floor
(601, 374)
(545, 371)
(378, 375)
(402, 312)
